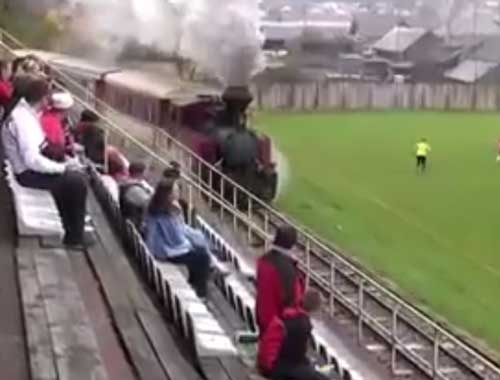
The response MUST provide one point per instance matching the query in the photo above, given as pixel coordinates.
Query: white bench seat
(36, 211)
(188, 311)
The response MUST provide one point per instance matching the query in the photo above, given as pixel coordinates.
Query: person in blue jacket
(169, 238)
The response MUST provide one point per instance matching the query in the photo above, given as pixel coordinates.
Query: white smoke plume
(222, 37)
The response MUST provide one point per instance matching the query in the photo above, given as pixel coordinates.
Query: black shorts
(421, 160)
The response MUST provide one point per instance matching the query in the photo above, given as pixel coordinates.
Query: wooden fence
(333, 95)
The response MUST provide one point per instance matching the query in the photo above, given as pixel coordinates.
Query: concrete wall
(330, 95)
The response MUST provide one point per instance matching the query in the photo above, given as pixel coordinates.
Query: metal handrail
(264, 233)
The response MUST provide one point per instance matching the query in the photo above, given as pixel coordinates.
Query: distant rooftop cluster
(425, 40)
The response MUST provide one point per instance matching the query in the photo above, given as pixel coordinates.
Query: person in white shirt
(24, 141)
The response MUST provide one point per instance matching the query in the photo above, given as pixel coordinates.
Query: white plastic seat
(36, 211)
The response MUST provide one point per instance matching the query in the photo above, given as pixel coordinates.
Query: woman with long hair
(170, 239)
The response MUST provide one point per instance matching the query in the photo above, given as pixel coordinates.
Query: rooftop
(469, 71)
(399, 39)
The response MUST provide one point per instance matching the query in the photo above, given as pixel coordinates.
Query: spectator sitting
(135, 194)
(23, 140)
(55, 125)
(279, 283)
(6, 87)
(117, 172)
(282, 353)
(94, 144)
(173, 175)
(118, 164)
(170, 239)
(87, 118)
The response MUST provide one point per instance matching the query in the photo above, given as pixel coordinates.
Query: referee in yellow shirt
(422, 149)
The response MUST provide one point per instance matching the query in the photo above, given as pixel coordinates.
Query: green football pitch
(352, 179)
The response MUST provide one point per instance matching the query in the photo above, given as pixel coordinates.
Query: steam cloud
(222, 37)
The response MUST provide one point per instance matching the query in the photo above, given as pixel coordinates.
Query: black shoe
(80, 244)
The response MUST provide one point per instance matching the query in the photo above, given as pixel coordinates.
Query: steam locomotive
(213, 126)
(237, 150)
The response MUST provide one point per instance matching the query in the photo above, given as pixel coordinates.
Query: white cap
(62, 100)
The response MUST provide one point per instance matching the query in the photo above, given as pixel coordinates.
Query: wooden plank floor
(73, 339)
(14, 363)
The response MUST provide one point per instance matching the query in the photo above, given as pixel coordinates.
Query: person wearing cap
(279, 282)
(56, 126)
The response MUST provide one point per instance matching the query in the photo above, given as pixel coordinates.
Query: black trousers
(70, 194)
(298, 372)
(198, 264)
(421, 162)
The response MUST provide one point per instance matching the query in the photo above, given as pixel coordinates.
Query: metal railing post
(235, 207)
(394, 336)
(435, 356)
(250, 215)
(199, 176)
(222, 188)
(361, 293)
(332, 288)
(190, 164)
(190, 204)
(266, 230)
(210, 186)
(308, 262)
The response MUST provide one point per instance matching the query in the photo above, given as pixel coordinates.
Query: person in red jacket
(279, 282)
(282, 353)
(6, 87)
(55, 126)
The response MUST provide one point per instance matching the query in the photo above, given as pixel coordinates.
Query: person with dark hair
(279, 283)
(6, 87)
(173, 175)
(94, 144)
(16, 66)
(135, 194)
(87, 118)
(282, 352)
(170, 239)
(24, 141)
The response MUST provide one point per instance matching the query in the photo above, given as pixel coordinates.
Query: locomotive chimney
(237, 99)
